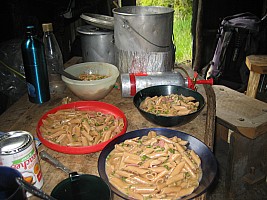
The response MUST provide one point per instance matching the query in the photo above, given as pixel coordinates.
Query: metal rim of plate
(100, 21)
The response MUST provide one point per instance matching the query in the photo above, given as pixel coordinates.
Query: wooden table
(24, 115)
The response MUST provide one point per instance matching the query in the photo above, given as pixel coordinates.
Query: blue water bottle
(33, 55)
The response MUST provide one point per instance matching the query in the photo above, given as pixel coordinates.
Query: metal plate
(100, 21)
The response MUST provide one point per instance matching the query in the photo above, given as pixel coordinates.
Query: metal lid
(100, 21)
(14, 141)
(92, 30)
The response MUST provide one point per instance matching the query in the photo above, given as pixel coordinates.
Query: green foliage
(182, 38)
(181, 25)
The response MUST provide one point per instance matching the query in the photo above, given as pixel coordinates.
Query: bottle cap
(30, 29)
(47, 27)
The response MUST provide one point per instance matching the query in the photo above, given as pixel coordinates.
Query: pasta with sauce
(170, 105)
(91, 77)
(154, 167)
(72, 127)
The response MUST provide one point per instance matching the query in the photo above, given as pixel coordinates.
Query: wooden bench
(241, 139)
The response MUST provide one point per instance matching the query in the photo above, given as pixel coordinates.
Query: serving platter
(208, 161)
(85, 106)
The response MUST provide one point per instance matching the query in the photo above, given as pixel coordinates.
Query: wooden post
(198, 43)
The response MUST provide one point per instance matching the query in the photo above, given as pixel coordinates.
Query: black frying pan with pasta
(208, 161)
(164, 90)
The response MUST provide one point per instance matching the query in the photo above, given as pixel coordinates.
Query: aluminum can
(18, 150)
(132, 83)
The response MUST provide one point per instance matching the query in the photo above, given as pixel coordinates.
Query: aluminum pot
(143, 39)
(97, 44)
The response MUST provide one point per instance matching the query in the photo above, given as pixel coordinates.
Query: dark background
(213, 13)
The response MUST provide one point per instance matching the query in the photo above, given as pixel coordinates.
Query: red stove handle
(192, 83)
(209, 81)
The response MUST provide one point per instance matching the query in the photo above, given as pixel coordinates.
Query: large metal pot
(97, 44)
(143, 38)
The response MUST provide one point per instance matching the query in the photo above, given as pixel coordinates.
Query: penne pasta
(170, 105)
(168, 190)
(189, 162)
(124, 173)
(154, 167)
(70, 127)
(195, 158)
(177, 169)
(135, 195)
(175, 178)
(141, 189)
(184, 192)
(56, 135)
(136, 170)
(84, 141)
(117, 182)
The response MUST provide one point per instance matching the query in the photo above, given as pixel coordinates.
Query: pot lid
(101, 21)
(92, 30)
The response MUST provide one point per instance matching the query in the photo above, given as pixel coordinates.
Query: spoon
(74, 176)
(68, 75)
(33, 190)
(48, 158)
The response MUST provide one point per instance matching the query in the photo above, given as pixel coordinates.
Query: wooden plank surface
(239, 112)
(24, 115)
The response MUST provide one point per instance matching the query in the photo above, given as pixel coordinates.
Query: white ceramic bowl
(95, 89)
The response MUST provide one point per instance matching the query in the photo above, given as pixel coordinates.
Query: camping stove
(133, 82)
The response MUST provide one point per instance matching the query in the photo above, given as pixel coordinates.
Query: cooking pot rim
(143, 10)
(92, 30)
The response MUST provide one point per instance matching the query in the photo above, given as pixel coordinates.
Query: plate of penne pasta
(157, 163)
(81, 127)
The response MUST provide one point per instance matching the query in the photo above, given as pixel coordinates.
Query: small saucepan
(78, 186)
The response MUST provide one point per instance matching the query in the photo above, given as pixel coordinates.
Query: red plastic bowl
(82, 105)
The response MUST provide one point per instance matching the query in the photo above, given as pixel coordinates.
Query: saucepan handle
(53, 161)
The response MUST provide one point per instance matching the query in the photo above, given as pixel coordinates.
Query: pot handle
(74, 176)
(127, 25)
(53, 161)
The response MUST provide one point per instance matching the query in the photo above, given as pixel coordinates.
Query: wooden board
(239, 112)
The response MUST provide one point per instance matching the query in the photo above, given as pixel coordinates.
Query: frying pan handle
(53, 161)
